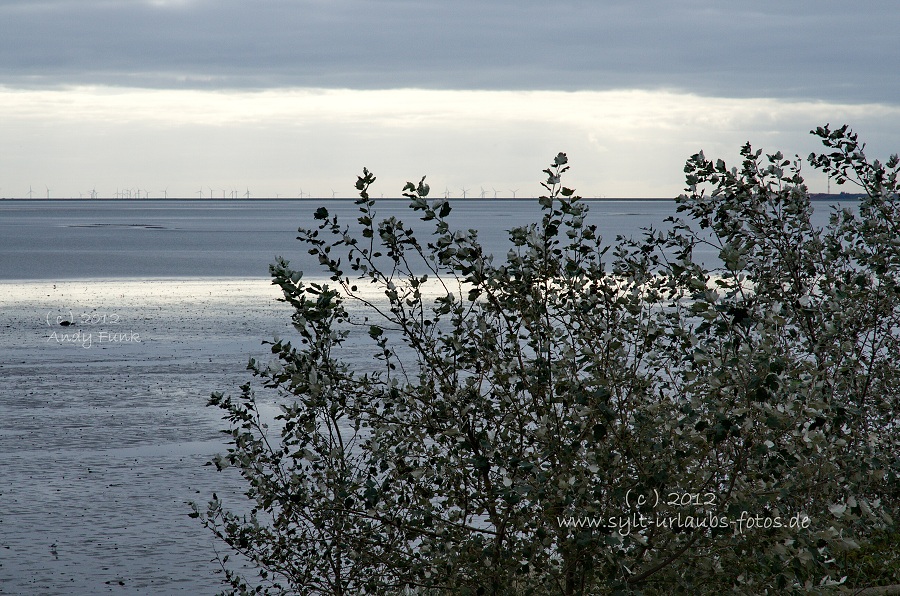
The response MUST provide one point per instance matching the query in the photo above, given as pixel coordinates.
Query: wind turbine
(514, 192)
(165, 192)
(495, 192)
(200, 192)
(48, 191)
(30, 192)
(464, 191)
(482, 192)
(247, 194)
(333, 193)
(446, 193)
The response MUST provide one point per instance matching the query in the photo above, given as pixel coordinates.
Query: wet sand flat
(104, 429)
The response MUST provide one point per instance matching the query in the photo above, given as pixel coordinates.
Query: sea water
(102, 239)
(117, 320)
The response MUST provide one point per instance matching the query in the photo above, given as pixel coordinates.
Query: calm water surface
(103, 239)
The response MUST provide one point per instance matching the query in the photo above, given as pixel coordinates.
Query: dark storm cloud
(834, 51)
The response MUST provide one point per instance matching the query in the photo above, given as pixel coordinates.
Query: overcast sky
(291, 96)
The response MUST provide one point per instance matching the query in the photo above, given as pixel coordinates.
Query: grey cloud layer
(829, 50)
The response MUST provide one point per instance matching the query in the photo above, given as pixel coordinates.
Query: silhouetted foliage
(575, 418)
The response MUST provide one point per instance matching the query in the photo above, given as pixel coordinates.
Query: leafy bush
(580, 419)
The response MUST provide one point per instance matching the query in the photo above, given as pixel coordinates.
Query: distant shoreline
(314, 199)
(812, 196)
(844, 196)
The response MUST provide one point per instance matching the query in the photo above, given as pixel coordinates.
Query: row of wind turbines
(142, 193)
(124, 193)
(209, 192)
(464, 192)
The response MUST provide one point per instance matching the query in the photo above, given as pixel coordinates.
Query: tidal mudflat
(104, 429)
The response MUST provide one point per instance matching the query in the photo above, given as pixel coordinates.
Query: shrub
(584, 419)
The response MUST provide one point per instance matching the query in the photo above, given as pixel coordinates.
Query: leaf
(423, 189)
